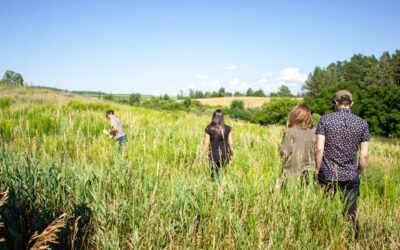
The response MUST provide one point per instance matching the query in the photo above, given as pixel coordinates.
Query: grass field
(249, 101)
(156, 192)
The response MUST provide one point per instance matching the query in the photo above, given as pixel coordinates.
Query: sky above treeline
(158, 47)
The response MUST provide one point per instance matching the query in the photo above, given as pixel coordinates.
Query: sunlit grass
(156, 191)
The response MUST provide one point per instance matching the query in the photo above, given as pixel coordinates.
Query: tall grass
(156, 191)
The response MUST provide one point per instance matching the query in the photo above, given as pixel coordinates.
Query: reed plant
(156, 191)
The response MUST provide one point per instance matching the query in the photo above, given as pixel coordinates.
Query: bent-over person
(117, 129)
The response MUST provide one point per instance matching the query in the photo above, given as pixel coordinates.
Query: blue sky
(157, 47)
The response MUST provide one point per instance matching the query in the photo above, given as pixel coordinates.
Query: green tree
(380, 108)
(284, 91)
(238, 111)
(237, 93)
(13, 78)
(249, 92)
(221, 92)
(320, 79)
(259, 93)
(396, 67)
(187, 102)
(275, 112)
(166, 97)
(362, 70)
(134, 99)
(385, 69)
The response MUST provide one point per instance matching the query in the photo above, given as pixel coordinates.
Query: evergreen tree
(385, 69)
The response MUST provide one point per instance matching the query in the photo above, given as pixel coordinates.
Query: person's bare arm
(206, 145)
(363, 157)
(319, 152)
(231, 146)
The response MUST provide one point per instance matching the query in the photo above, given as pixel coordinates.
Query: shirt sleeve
(321, 127)
(286, 148)
(365, 136)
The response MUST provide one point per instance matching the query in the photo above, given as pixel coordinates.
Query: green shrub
(275, 112)
(316, 117)
(238, 111)
(37, 100)
(96, 106)
(5, 102)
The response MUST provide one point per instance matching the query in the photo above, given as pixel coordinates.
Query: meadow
(249, 101)
(156, 191)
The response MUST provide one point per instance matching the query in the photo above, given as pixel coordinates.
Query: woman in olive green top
(298, 146)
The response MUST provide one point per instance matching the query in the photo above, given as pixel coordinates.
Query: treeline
(374, 83)
(284, 91)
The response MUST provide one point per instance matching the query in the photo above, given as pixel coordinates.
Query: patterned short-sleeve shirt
(344, 133)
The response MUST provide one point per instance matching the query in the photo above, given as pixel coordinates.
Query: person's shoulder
(291, 131)
(329, 116)
(207, 129)
(360, 120)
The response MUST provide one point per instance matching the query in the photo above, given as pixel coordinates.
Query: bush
(109, 97)
(238, 111)
(275, 112)
(5, 102)
(134, 99)
(96, 106)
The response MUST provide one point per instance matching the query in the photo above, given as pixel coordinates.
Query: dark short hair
(109, 112)
(345, 101)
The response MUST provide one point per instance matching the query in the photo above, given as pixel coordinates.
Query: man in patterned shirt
(340, 134)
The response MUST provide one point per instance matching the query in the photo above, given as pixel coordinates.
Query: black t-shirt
(219, 149)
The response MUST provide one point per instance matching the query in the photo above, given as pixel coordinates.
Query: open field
(249, 101)
(156, 192)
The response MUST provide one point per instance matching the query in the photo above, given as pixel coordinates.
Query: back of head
(344, 98)
(300, 116)
(217, 125)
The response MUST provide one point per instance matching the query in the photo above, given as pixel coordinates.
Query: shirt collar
(344, 110)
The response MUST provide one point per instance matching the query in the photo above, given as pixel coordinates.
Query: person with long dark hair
(218, 141)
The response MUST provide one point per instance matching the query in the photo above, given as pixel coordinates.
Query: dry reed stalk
(49, 234)
(3, 201)
(75, 230)
(4, 197)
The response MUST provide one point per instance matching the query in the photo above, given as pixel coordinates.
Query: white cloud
(262, 80)
(237, 85)
(292, 75)
(202, 76)
(210, 85)
(268, 74)
(270, 82)
(231, 67)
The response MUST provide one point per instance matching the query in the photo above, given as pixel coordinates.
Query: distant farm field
(249, 101)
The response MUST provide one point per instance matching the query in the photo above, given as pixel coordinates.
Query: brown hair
(300, 116)
(217, 125)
